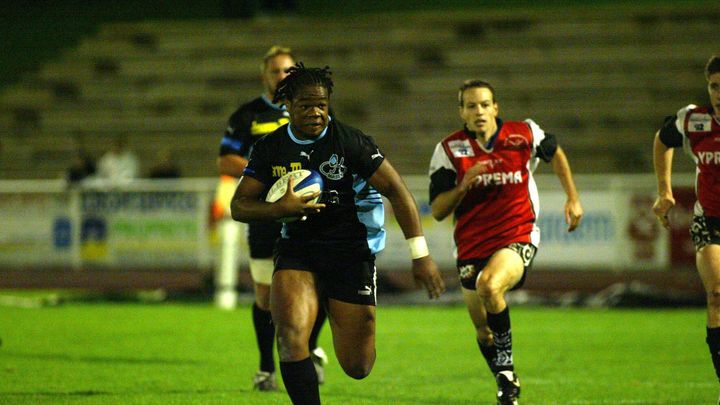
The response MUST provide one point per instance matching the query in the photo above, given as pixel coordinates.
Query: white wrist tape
(418, 247)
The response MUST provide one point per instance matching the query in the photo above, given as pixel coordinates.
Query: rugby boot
(319, 359)
(508, 388)
(265, 381)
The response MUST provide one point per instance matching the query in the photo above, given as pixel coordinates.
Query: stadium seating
(602, 80)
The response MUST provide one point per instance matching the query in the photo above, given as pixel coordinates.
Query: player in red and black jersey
(249, 123)
(328, 258)
(697, 131)
(482, 175)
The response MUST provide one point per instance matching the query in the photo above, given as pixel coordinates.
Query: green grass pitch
(104, 353)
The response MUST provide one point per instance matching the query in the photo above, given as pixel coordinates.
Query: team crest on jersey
(700, 123)
(461, 148)
(515, 141)
(333, 168)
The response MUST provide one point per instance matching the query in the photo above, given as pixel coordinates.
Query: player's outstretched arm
(662, 161)
(389, 183)
(246, 204)
(573, 208)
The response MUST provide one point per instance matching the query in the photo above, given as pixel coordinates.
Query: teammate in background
(248, 124)
(697, 130)
(482, 175)
(327, 259)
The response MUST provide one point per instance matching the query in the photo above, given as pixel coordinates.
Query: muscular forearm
(244, 210)
(389, 183)
(405, 211)
(246, 204)
(561, 167)
(662, 161)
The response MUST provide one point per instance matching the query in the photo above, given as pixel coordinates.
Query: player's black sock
(319, 321)
(301, 381)
(500, 326)
(265, 335)
(489, 352)
(713, 342)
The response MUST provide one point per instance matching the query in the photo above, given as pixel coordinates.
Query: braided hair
(298, 77)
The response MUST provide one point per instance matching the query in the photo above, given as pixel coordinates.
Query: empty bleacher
(601, 78)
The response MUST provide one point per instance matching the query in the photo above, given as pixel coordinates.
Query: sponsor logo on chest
(515, 141)
(700, 123)
(709, 158)
(500, 178)
(461, 148)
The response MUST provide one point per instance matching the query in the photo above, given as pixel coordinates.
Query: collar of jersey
(269, 102)
(491, 142)
(308, 141)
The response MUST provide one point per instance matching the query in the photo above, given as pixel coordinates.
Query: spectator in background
(249, 123)
(164, 166)
(119, 164)
(83, 166)
(482, 175)
(697, 131)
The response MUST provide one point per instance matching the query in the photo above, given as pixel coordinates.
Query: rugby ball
(305, 182)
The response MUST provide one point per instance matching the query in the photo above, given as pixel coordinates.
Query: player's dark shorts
(705, 231)
(262, 237)
(470, 269)
(347, 281)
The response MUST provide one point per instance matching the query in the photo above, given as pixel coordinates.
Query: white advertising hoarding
(155, 225)
(35, 229)
(143, 228)
(164, 225)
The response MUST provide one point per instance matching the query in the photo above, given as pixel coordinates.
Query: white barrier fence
(163, 224)
(144, 224)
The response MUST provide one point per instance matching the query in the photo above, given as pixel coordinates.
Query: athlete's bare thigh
(294, 306)
(353, 329)
(504, 269)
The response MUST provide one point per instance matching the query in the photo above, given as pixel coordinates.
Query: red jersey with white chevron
(701, 132)
(503, 208)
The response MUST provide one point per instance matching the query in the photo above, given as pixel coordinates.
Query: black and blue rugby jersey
(249, 123)
(346, 158)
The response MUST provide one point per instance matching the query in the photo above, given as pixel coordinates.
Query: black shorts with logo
(470, 269)
(705, 231)
(352, 281)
